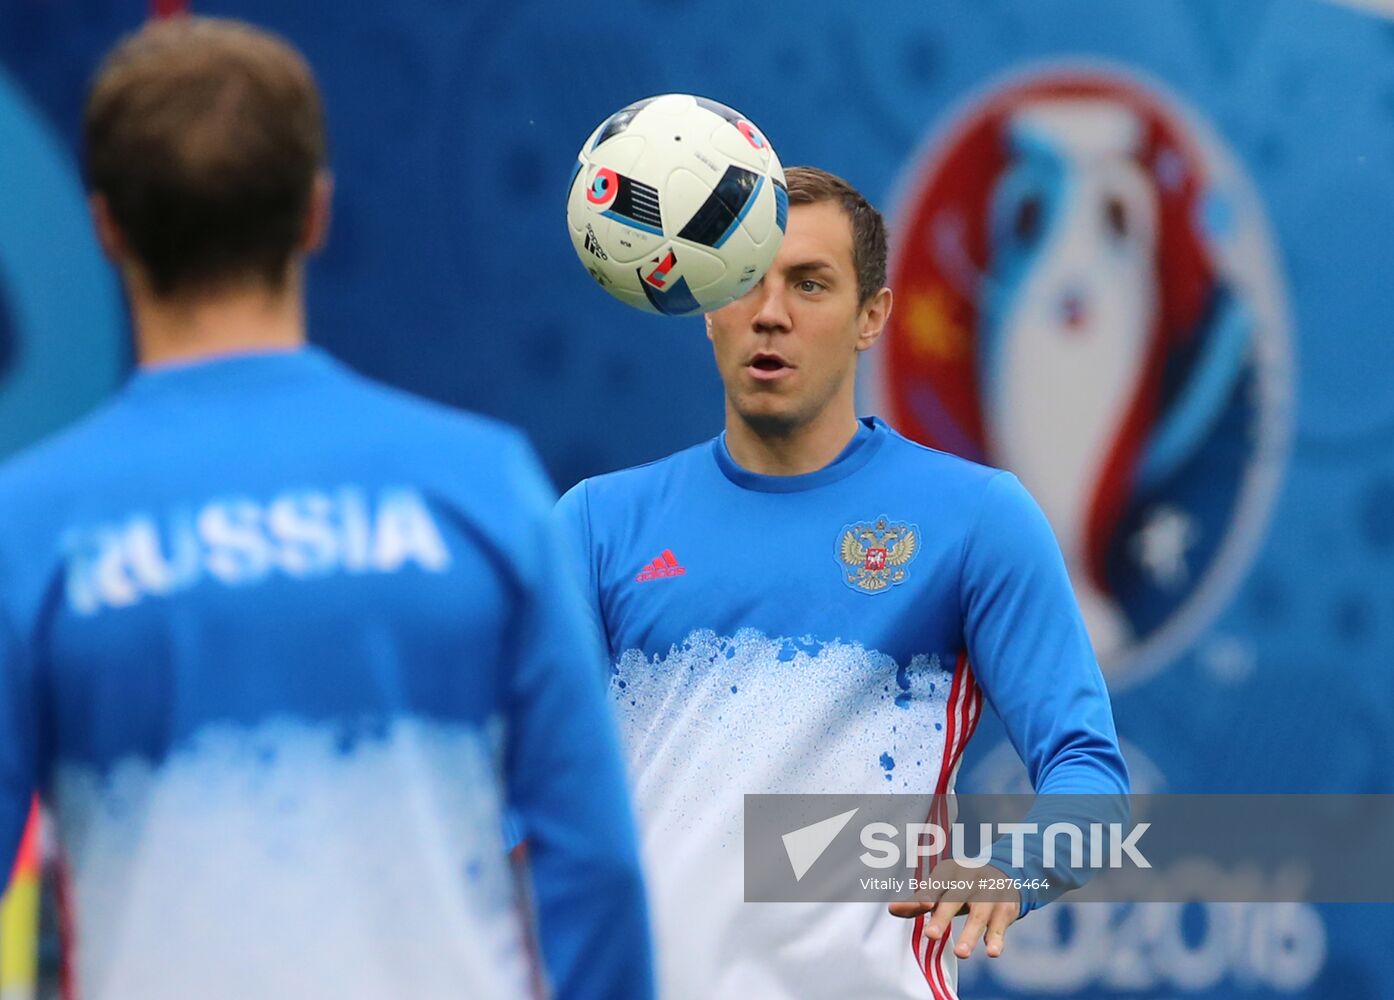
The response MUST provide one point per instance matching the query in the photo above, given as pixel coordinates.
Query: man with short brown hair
(811, 603)
(278, 646)
(206, 200)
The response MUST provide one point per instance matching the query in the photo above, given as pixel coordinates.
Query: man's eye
(809, 285)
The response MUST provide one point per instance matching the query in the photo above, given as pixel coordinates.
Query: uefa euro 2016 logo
(1087, 295)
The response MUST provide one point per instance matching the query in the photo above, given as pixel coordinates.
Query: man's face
(788, 347)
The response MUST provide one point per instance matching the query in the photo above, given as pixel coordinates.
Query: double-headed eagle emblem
(873, 555)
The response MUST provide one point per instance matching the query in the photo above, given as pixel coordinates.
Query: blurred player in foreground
(812, 603)
(279, 646)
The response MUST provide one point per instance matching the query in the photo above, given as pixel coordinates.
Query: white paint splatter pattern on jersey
(290, 860)
(722, 716)
(761, 714)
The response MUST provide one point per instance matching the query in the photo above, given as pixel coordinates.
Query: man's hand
(989, 909)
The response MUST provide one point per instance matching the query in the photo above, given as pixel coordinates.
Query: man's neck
(239, 321)
(800, 450)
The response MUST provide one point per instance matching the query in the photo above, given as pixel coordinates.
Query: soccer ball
(677, 205)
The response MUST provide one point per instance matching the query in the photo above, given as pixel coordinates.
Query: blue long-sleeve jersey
(833, 632)
(279, 647)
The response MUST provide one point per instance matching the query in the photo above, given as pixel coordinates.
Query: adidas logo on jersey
(664, 566)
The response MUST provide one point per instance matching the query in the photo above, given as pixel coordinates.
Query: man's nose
(773, 314)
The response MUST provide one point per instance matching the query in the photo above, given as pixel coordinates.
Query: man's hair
(809, 185)
(205, 137)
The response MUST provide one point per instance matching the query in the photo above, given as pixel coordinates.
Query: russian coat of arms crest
(873, 555)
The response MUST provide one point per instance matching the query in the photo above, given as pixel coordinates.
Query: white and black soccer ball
(677, 205)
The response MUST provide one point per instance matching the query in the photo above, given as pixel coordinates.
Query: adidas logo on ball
(593, 245)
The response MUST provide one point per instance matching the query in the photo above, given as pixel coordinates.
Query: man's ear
(109, 235)
(874, 316)
(316, 228)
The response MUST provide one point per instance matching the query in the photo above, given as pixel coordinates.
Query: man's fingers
(910, 908)
(944, 914)
(921, 903)
(1002, 916)
(973, 928)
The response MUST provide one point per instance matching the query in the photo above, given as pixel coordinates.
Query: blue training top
(833, 632)
(278, 647)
